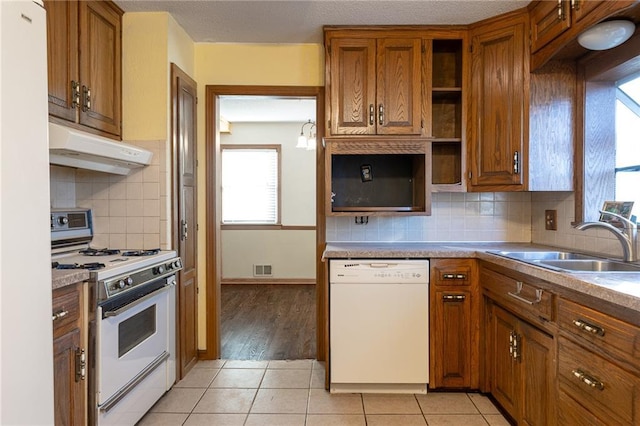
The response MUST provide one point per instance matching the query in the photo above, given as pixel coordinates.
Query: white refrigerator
(26, 352)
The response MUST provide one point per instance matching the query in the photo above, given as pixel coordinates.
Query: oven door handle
(109, 314)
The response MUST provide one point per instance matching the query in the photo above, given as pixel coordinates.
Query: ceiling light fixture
(607, 35)
(305, 142)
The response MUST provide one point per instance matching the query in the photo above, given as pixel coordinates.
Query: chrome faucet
(627, 235)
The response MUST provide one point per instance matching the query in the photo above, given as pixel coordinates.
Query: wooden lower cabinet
(454, 354)
(69, 356)
(520, 360)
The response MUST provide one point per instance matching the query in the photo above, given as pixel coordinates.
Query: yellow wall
(244, 64)
(144, 76)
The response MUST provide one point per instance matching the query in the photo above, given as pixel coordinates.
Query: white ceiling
(301, 21)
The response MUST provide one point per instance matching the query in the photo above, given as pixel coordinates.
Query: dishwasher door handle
(381, 265)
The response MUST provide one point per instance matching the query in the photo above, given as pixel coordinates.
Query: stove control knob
(63, 220)
(159, 270)
(128, 280)
(176, 264)
(121, 284)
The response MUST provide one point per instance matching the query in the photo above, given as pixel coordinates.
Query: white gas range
(134, 304)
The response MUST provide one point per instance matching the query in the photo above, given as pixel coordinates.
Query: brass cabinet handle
(86, 104)
(454, 276)
(58, 315)
(588, 380)
(381, 114)
(75, 94)
(371, 114)
(561, 15)
(585, 326)
(453, 297)
(517, 295)
(514, 345)
(516, 162)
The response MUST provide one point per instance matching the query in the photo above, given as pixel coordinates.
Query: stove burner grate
(88, 266)
(150, 252)
(99, 252)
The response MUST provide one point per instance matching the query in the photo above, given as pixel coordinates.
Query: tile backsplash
(128, 211)
(454, 217)
(597, 241)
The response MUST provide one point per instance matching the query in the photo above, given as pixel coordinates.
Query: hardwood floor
(268, 322)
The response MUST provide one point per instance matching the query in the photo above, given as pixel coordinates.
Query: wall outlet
(551, 220)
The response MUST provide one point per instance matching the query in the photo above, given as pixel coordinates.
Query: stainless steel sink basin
(589, 265)
(528, 256)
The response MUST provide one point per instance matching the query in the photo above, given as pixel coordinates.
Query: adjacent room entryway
(268, 322)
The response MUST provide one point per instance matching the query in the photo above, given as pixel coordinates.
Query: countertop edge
(65, 277)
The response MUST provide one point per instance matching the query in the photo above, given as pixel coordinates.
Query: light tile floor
(291, 393)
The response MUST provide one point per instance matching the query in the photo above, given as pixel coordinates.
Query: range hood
(75, 148)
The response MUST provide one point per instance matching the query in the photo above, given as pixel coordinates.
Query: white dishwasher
(379, 325)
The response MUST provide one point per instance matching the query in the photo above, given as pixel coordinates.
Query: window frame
(256, 226)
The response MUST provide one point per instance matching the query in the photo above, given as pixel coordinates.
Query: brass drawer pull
(585, 326)
(453, 297)
(588, 380)
(454, 276)
(371, 115)
(517, 295)
(59, 315)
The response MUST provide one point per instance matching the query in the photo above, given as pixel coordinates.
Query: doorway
(274, 296)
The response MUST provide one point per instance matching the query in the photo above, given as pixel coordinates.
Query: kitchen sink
(528, 256)
(569, 261)
(589, 265)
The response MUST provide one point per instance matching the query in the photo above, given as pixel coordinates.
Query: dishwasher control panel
(379, 271)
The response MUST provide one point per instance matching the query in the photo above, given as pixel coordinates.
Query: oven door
(134, 338)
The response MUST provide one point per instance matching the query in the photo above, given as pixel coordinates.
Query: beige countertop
(622, 289)
(64, 277)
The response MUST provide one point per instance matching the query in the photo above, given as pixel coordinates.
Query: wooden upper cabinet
(84, 64)
(375, 85)
(62, 47)
(499, 105)
(100, 66)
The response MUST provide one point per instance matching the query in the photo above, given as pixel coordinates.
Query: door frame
(213, 210)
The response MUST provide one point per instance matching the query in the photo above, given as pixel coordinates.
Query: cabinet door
(353, 91)
(68, 390)
(504, 367)
(451, 357)
(62, 58)
(398, 89)
(100, 66)
(498, 126)
(581, 8)
(537, 362)
(549, 19)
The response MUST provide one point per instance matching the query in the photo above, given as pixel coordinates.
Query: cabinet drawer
(520, 295)
(66, 308)
(452, 272)
(570, 413)
(599, 328)
(597, 384)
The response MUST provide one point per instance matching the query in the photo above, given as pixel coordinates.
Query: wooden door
(100, 66)
(398, 106)
(538, 377)
(505, 368)
(185, 214)
(62, 58)
(353, 86)
(452, 337)
(498, 98)
(67, 387)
